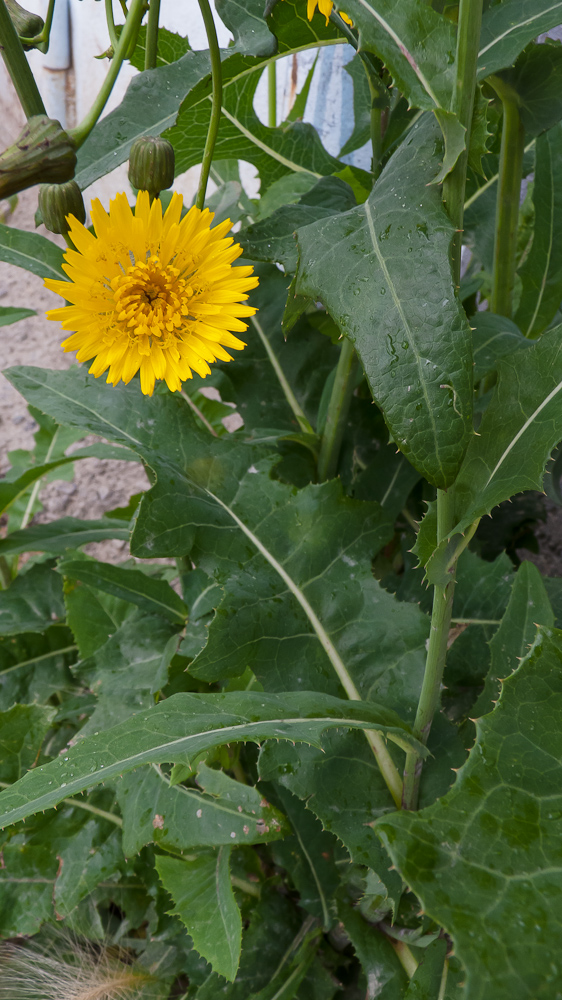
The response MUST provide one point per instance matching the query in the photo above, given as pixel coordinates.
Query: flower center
(151, 300)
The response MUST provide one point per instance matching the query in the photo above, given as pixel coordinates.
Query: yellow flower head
(151, 292)
(325, 7)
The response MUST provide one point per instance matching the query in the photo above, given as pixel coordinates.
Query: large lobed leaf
(486, 860)
(509, 26)
(180, 728)
(384, 275)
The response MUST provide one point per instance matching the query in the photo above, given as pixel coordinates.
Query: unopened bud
(151, 164)
(57, 202)
(26, 24)
(43, 153)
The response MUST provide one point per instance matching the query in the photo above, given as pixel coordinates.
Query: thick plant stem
(507, 205)
(216, 73)
(435, 662)
(470, 17)
(151, 51)
(338, 409)
(128, 34)
(18, 66)
(462, 104)
(272, 95)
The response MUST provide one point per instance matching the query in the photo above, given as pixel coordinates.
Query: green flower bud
(44, 152)
(57, 201)
(151, 164)
(26, 24)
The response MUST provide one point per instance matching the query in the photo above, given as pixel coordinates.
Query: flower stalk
(122, 51)
(470, 15)
(216, 75)
(18, 66)
(151, 51)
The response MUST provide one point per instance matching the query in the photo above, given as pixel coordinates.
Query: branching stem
(216, 74)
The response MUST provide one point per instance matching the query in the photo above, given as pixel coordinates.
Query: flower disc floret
(152, 293)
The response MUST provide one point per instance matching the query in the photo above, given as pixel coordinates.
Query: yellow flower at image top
(152, 293)
(325, 7)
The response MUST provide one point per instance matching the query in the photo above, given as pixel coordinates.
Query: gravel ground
(97, 485)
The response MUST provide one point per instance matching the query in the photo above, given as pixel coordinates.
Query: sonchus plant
(305, 741)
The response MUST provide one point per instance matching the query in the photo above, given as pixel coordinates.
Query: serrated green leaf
(536, 79)
(361, 107)
(180, 728)
(343, 787)
(541, 272)
(273, 239)
(33, 667)
(22, 730)
(279, 613)
(31, 251)
(66, 533)
(92, 615)
(26, 888)
(494, 839)
(454, 135)
(518, 431)
(32, 602)
(13, 314)
(127, 670)
(493, 337)
(309, 857)
(205, 903)
(528, 607)
(479, 134)
(273, 151)
(428, 978)
(171, 47)
(415, 43)
(154, 596)
(267, 946)
(177, 818)
(398, 305)
(509, 26)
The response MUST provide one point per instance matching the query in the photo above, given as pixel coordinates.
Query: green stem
(404, 956)
(272, 94)
(462, 104)
(41, 41)
(468, 36)
(338, 409)
(152, 35)
(435, 661)
(114, 40)
(302, 421)
(216, 73)
(18, 66)
(507, 205)
(128, 35)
